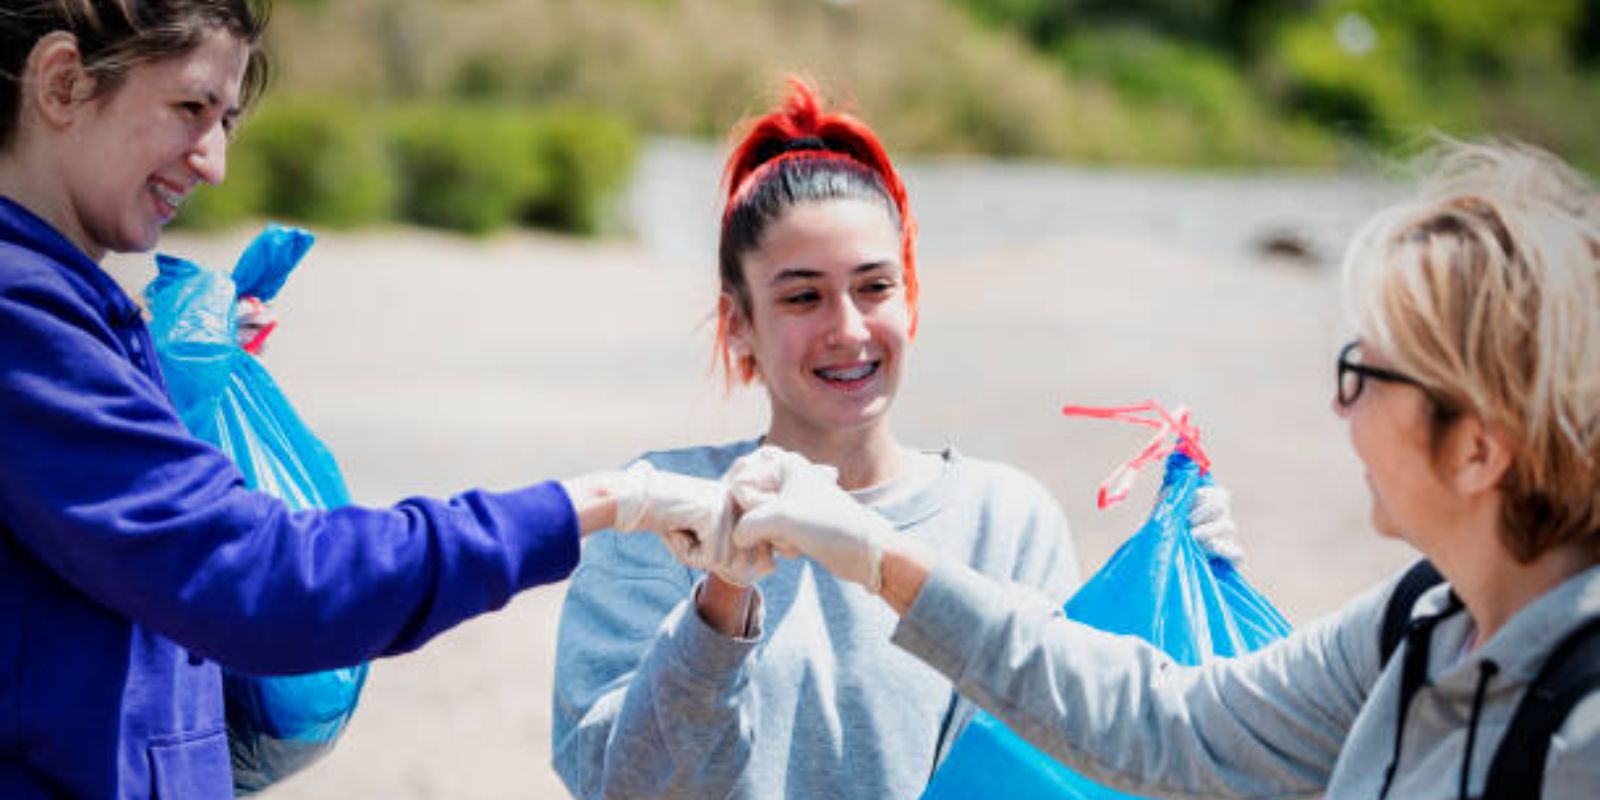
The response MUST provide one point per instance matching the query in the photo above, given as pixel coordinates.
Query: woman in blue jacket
(132, 558)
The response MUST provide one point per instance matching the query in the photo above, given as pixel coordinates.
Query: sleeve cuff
(704, 654)
(547, 526)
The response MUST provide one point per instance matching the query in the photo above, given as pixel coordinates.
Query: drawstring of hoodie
(1486, 672)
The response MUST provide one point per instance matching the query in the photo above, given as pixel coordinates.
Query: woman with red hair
(671, 682)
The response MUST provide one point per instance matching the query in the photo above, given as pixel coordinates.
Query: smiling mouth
(167, 197)
(849, 375)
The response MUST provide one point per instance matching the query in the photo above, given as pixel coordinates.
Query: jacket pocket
(195, 767)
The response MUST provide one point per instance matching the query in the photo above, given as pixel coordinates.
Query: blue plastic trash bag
(1160, 586)
(276, 725)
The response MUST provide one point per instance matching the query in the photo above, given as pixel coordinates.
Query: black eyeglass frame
(1362, 373)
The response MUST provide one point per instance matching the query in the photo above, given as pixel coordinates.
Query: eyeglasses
(1353, 375)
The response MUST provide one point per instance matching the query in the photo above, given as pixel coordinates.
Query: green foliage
(465, 168)
(1185, 104)
(1361, 93)
(585, 158)
(1488, 37)
(1584, 37)
(324, 162)
(1042, 21)
(1171, 82)
(1147, 68)
(473, 168)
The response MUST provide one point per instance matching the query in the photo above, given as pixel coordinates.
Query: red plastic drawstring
(255, 307)
(1174, 431)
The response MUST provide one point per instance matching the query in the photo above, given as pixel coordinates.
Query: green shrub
(465, 168)
(1148, 68)
(586, 158)
(324, 164)
(1367, 94)
(240, 196)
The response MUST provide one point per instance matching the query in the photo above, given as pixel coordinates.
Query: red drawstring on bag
(257, 322)
(1174, 431)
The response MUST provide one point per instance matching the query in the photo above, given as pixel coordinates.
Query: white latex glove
(1211, 522)
(693, 516)
(797, 508)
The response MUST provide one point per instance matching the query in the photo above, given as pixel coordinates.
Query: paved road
(430, 363)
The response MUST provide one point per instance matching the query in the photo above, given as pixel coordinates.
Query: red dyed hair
(799, 136)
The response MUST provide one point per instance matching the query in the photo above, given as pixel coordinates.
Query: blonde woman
(1472, 394)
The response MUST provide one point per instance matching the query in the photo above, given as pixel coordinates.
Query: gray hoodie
(1314, 713)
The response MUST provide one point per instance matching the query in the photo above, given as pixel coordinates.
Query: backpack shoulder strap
(1418, 635)
(1569, 675)
(1397, 615)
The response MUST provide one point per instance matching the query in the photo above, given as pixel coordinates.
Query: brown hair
(114, 36)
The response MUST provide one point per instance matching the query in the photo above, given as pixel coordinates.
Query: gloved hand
(255, 323)
(1211, 522)
(694, 518)
(797, 508)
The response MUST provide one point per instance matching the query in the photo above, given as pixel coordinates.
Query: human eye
(800, 298)
(878, 286)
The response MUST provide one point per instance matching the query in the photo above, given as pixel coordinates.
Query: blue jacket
(133, 561)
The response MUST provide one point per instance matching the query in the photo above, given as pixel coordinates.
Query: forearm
(727, 607)
(905, 569)
(594, 500)
(1119, 711)
(102, 483)
(235, 576)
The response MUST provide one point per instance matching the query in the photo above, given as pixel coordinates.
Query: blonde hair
(1486, 289)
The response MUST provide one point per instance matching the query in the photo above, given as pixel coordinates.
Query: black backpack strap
(1397, 615)
(1418, 636)
(1568, 676)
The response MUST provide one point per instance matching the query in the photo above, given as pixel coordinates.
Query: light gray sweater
(651, 702)
(1310, 714)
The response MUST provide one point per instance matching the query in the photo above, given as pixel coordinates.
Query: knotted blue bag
(1160, 586)
(276, 724)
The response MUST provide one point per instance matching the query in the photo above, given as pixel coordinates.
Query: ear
(57, 83)
(1477, 455)
(735, 324)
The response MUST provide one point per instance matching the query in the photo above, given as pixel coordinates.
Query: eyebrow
(797, 273)
(214, 100)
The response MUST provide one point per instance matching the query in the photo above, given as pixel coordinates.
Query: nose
(209, 158)
(1340, 410)
(849, 324)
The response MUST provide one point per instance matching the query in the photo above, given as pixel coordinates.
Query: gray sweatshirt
(651, 702)
(1310, 714)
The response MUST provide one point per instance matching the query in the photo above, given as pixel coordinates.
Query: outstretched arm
(1114, 708)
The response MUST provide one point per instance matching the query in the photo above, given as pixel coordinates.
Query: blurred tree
(1486, 37)
(402, 37)
(1586, 35)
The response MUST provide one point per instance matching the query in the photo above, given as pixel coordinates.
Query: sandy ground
(431, 363)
